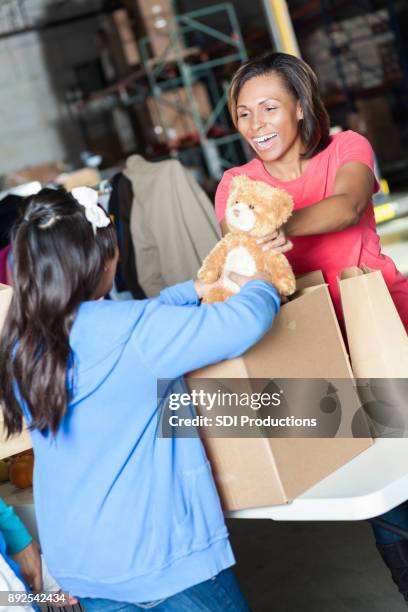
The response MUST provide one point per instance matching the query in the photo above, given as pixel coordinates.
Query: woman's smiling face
(268, 117)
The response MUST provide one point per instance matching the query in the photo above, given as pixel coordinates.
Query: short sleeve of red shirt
(351, 146)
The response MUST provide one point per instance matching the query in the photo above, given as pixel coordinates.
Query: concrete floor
(311, 567)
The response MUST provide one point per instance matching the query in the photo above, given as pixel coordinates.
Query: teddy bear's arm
(281, 272)
(212, 267)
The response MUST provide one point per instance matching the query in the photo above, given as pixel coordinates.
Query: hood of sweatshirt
(100, 351)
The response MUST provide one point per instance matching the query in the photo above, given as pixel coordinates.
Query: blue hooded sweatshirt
(123, 514)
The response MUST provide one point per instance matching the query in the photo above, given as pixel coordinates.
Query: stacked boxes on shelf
(155, 19)
(360, 53)
(125, 27)
(158, 18)
(168, 117)
(365, 47)
(121, 43)
(175, 115)
(379, 127)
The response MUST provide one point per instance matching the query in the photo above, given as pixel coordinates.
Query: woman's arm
(188, 293)
(353, 189)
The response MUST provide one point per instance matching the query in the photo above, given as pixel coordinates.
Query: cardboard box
(161, 29)
(149, 9)
(174, 112)
(305, 342)
(85, 177)
(5, 298)
(379, 127)
(122, 43)
(16, 444)
(44, 173)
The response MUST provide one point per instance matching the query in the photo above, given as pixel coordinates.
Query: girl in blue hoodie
(127, 520)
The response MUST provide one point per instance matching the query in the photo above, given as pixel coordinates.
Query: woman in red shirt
(275, 105)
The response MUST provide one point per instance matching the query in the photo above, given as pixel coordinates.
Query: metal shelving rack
(190, 73)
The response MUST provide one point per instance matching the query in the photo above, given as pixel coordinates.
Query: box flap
(6, 293)
(311, 279)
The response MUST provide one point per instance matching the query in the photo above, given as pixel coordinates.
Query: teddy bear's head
(256, 207)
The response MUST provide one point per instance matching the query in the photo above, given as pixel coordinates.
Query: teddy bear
(254, 209)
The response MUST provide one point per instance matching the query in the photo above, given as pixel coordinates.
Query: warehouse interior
(86, 84)
(134, 83)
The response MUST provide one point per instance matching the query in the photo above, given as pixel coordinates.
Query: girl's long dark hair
(58, 263)
(301, 82)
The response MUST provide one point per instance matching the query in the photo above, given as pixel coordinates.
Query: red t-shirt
(334, 251)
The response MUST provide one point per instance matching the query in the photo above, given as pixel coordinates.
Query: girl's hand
(203, 288)
(238, 279)
(276, 241)
(69, 600)
(241, 280)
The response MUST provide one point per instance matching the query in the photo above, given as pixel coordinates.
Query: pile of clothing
(11, 207)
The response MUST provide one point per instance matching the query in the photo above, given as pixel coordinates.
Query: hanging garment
(172, 223)
(10, 209)
(4, 265)
(120, 205)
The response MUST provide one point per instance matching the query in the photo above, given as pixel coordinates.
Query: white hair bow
(88, 198)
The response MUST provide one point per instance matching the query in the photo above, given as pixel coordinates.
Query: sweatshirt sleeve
(180, 294)
(15, 534)
(173, 340)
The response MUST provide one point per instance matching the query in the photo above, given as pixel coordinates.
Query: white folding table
(371, 484)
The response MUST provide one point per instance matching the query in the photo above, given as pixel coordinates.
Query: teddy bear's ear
(239, 182)
(238, 185)
(283, 206)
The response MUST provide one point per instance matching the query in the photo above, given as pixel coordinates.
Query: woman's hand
(276, 241)
(29, 561)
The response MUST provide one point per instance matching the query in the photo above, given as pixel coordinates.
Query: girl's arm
(353, 189)
(173, 340)
(188, 293)
(180, 294)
